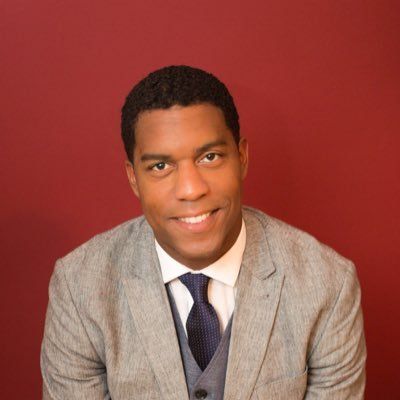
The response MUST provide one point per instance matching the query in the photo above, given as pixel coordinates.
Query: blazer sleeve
(336, 366)
(71, 368)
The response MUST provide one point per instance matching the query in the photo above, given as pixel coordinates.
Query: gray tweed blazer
(297, 329)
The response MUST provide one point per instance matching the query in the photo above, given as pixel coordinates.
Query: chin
(203, 256)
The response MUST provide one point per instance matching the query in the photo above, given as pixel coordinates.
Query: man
(201, 298)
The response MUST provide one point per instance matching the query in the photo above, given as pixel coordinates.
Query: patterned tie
(202, 324)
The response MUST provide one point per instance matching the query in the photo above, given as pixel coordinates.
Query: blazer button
(200, 394)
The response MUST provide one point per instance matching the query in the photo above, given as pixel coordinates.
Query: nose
(190, 185)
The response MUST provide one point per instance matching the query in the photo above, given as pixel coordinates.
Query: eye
(161, 166)
(210, 157)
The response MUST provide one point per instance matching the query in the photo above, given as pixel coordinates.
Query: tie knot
(197, 285)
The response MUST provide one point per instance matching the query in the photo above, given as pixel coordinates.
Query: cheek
(153, 196)
(157, 210)
(152, 207)
(227, 185)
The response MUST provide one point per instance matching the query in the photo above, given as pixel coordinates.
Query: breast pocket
(292, 388)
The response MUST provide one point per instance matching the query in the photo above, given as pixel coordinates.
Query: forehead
(179, 126)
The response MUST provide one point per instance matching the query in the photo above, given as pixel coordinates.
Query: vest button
(200, 394)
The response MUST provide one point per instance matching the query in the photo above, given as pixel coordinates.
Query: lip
(202, 225)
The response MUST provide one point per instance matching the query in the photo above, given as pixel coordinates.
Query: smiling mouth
(196, 219)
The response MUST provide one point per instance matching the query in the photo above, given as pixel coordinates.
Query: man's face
(188, 174)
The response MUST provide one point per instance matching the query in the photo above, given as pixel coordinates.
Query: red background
(318, 89)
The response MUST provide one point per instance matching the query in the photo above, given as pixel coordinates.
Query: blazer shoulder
(299, 249)
(103, 247)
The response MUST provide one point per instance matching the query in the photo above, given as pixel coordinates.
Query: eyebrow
(156, 157)
(198, 151)
(209, 146)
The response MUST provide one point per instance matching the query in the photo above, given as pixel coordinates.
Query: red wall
(318, 89)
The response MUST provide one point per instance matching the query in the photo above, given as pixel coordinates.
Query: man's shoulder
(103, 249)
(297, 251)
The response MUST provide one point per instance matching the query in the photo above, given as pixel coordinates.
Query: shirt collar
(225, 269)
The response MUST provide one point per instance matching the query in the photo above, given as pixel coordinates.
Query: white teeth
(195, 220)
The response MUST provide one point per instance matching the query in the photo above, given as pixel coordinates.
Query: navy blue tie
(202, 325)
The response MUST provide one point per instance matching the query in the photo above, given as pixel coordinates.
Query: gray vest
(208, 384)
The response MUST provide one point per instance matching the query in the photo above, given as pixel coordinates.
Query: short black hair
(176, 85)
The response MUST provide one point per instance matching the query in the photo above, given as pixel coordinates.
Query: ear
(130, 172)
(243, 156)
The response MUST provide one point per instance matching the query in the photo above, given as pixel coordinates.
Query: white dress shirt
(221, 287)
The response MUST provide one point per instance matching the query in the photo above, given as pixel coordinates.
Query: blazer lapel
(259, 288)
(149, 305)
